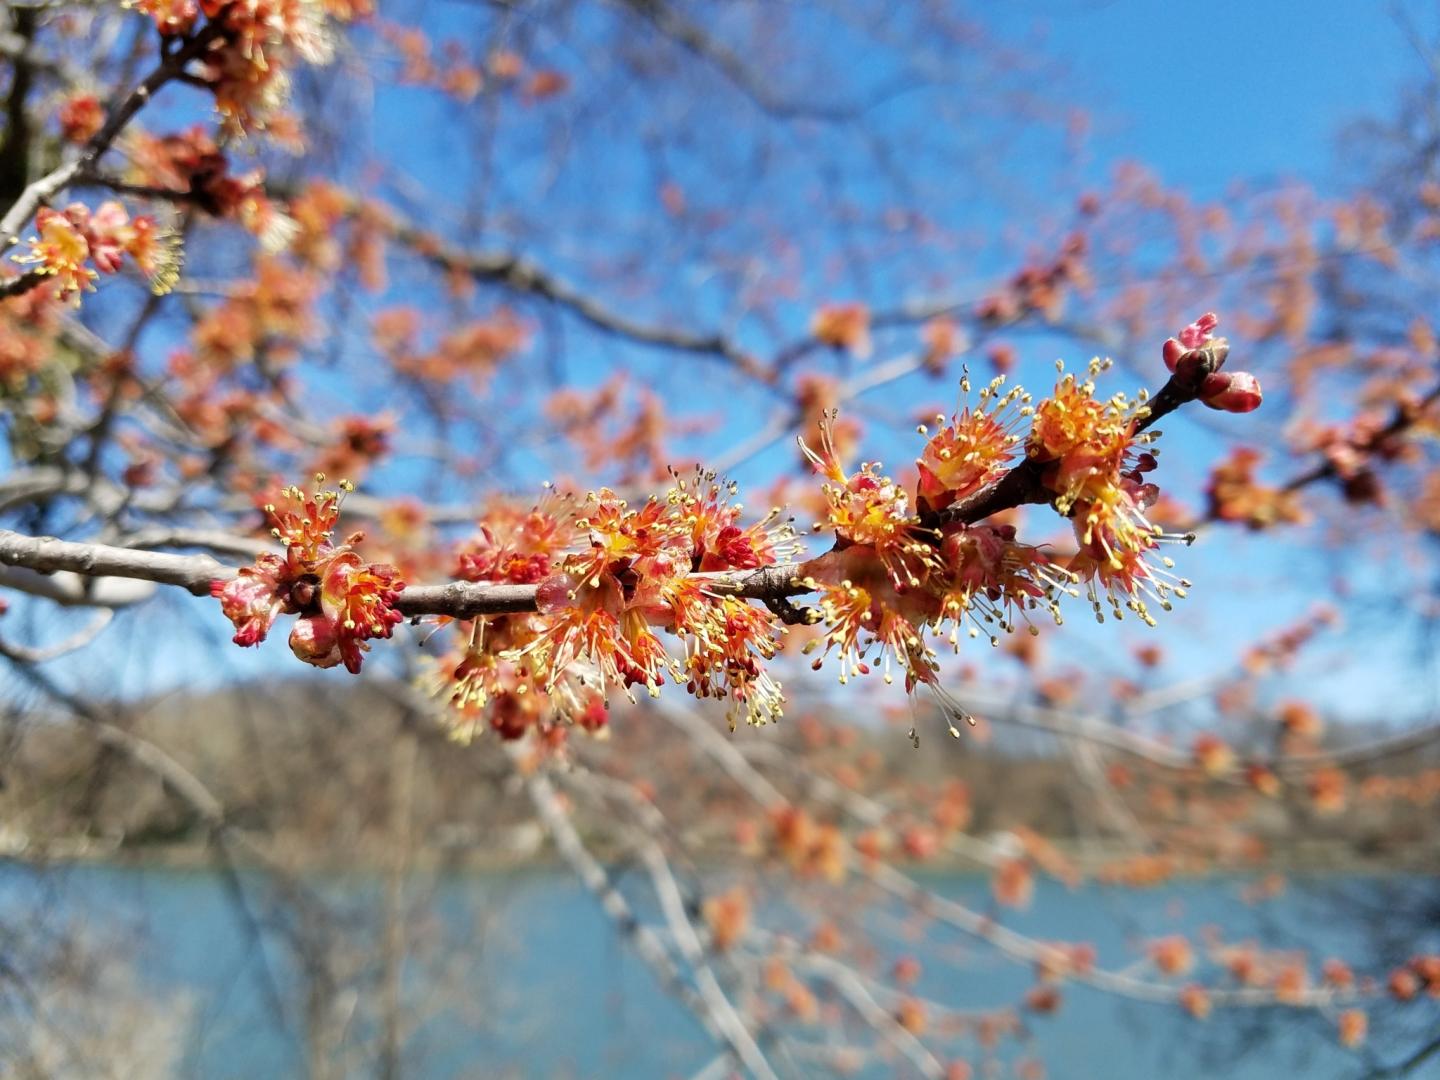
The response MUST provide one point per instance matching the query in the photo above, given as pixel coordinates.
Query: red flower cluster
(1040, 288)
(1095, 461)
(635, 574)
(843, 326)
(610, 576)
(81, 116)
(192, 163)
(897, 573)
(341, 600)
(1236, 495)
(474, 349)
(1227, 391)
(258, 42)
(1421, 972)
(28, 325)
(74, 246)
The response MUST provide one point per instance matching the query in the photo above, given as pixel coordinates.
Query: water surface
(521, 974)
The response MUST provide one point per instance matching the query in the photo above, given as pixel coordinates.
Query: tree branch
(709, 1003)
(51, 184)
(465, 600)
(754, 84)
(1023, 484)
(522, 275)
(47, 555)
(1015, 945)
(457, 599)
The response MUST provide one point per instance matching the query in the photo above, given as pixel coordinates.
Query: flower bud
(1171, 352)
(1231, 391)
(315, 641)
(555, 593)
(303, 593)
(1193, 365)
(1200, 331)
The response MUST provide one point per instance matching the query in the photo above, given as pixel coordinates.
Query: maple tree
(210, 297)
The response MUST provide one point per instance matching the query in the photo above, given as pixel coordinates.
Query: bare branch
(75, 590)
(458, 599)
(50, 185)
(1017, 946)
(845, 979)
(522, 275)
(857, 991)
(29, 654)
(715, 1013)
(47, 555)
(672, 24)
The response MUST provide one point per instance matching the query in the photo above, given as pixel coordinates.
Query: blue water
(521, 974)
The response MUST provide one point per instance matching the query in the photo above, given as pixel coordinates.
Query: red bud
(1231, 391)
(313, 639)
(1171, 352)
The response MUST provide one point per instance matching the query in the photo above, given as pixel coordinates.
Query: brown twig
(463, 600)
(1404, 417)
(172, 65)
(1024, 484)
(457, 599)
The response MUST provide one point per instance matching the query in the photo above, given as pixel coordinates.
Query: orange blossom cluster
(902, 569)
(74, 246)
(609, 576)
(341, 600)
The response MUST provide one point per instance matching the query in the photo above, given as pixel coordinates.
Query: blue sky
(1207, 92)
